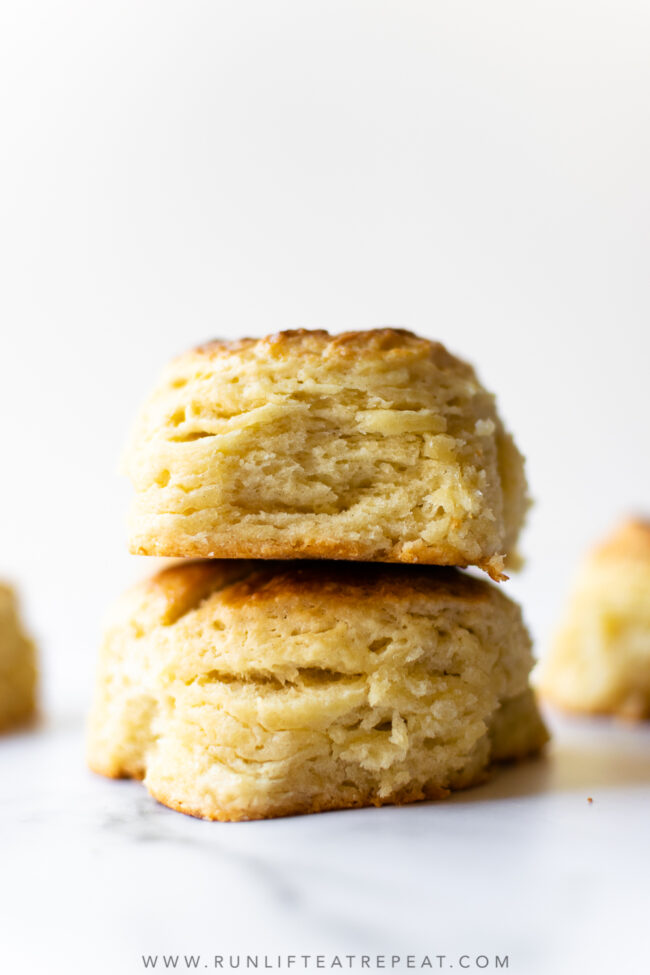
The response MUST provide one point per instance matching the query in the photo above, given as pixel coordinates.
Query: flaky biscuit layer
(246, 690)
(372, 445)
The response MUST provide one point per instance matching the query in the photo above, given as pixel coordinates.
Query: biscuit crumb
(589, 799)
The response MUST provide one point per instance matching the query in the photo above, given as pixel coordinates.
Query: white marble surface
(94, 874)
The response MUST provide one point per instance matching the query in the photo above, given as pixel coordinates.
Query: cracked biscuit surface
(246, 690)
(17, 665)
(600, 659)
(373, 445)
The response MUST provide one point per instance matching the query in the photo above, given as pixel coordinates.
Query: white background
(477, 172)
(172, 172)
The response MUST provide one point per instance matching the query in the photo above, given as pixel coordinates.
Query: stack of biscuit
(318, 647)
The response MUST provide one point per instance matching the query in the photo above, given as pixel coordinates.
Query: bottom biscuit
(247, 690)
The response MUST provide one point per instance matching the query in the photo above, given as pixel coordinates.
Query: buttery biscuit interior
(248, 690)
(369, 445)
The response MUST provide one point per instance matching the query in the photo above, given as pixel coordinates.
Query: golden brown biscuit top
(630, 540)
(394, 342)
(180, 588)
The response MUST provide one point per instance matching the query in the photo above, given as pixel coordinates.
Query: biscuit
(17, 665)
(600, 659)
(245, 690)
(374, 446)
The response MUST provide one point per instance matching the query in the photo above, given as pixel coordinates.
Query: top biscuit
(375, 446)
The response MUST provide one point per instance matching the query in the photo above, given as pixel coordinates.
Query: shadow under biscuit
(604, 757)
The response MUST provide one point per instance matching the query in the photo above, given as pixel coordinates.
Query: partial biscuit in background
(375, 446)
(600, 660)
(245, 690)
(17, 665)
